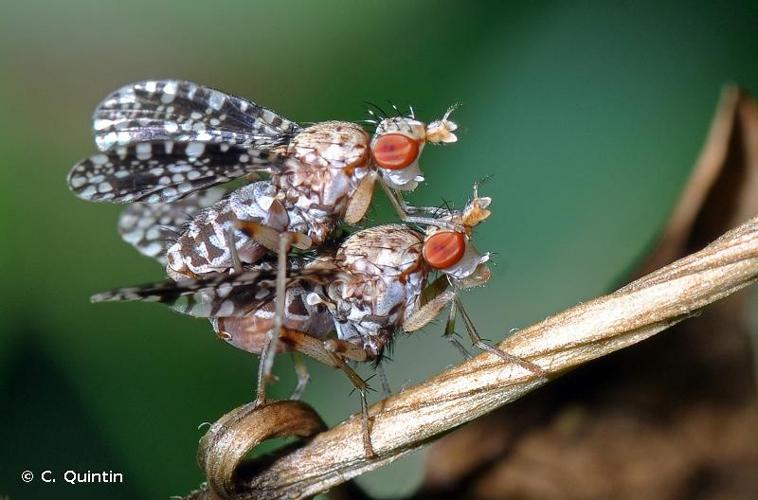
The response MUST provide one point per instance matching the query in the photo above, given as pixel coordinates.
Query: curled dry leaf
(722, 191)
(227, 442)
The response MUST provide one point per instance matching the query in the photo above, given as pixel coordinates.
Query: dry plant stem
(588, 331)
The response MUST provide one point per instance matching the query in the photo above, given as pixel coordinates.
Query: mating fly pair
(345, 304)
(166, 142)
(163, 140)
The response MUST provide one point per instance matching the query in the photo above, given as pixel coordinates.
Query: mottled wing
(184, 111)
(219, 296)
(153, 228)
(165, 171)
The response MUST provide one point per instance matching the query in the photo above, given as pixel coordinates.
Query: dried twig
(588, 331)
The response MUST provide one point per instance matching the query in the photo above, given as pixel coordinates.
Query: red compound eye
(442, 250)
(395, 151)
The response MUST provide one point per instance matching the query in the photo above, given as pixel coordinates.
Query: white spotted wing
(179, 110)
(165, 171)
(222, 295)
(152, 228)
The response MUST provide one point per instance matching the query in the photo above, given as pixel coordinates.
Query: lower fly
(343, 305)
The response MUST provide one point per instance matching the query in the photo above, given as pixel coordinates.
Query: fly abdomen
(203, 246)
(249, 332)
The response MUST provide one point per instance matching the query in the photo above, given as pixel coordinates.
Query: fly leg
(457, 220)
(358, 204)
(303, 377)
(442, 298)
(434, 212)
(398, 205)
(450, 334)
(281, 243)
(476, 339)
(333, 353)
(385, 381)
(421, 316)
(339, 350)
(268, 353)
(231, 244)
(270, 237)
(361, 387)
(434, 298)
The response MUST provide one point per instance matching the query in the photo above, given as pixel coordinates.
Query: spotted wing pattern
(153, 228)
(165, 171)
(185, 111)
(219, 296)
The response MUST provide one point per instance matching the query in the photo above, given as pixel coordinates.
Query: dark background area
(588, 116)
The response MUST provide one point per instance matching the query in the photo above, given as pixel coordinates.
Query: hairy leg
(412, 219)
(333, 353)
(268, 353)
(478, 342)
(302, 375)
(450, 334)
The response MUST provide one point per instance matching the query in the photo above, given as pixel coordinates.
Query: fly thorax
(331, 144)
(382, 251)
(321, 189)
(332, 157)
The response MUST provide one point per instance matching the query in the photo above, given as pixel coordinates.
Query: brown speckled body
(202, 246)
(384, 276)
(333, 158)
(379, 274)
(331, 144)
(311, 198)
(365, 291)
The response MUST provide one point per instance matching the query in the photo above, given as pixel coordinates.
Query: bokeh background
(587, 115)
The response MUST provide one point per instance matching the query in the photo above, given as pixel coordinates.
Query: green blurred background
(589, 115)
